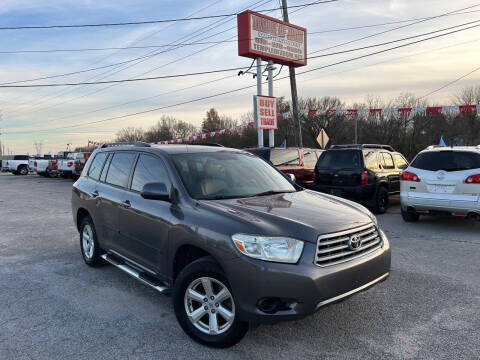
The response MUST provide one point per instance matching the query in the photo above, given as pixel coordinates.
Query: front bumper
(305, 287)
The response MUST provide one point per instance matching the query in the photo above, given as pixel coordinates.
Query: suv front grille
(338, 247)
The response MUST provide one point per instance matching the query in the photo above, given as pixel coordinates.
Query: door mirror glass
(292, 177)
(155, 191)
(403, 166)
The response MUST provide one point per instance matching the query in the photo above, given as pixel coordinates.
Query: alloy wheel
(88, 245)
(209, 306)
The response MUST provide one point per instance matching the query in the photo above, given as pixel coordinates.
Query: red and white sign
(266, 112)
(271, 39)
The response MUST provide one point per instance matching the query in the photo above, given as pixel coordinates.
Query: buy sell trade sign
(265, 112)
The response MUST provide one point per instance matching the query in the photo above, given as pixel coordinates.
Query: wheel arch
(185, 254)
(81, 214)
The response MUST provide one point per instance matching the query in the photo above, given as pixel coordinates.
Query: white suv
(442, 180)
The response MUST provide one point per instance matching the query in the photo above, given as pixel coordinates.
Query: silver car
(442, 180)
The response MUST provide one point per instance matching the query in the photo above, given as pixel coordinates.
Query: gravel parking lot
(53, 306)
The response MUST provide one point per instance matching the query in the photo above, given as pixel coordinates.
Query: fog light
(273, 305)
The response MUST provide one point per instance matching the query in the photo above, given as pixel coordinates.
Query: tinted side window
(388, 161)
(400, 162)
(119, 169)
(105, 167)
(280, 157)
(148, 170)
(96, 167)
(309, 158)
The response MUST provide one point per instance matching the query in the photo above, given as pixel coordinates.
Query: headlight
(277, 249)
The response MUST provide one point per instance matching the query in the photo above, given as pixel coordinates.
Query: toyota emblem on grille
(355, 242)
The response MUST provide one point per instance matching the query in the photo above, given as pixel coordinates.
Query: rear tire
(410, 216)
(89, 246)
(209, 316)
(381, 201)
(22, 170)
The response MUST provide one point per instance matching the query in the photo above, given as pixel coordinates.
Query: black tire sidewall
(381, 193)
(200, 268)
(23, 170)
(95, 259)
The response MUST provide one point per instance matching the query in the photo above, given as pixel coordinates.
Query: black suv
(364, 173)
(232, 238)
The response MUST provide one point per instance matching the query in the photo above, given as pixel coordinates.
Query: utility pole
(259, 92)
(271, 133)
(293, 87)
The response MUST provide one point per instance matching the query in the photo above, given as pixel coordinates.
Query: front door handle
(95, 194)
(126, 204)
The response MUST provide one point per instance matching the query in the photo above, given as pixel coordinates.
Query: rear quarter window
(96, 166)
(447, 160)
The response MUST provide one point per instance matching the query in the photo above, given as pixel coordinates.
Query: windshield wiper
(272, 192)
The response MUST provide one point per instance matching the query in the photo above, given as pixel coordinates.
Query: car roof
(172, 149)
(436, 148)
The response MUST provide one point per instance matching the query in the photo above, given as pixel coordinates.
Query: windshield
(447, 161)
(228, 175)
(70, 156)
(340, 159)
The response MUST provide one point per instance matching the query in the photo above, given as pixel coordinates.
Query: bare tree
(467, 96)
(130, 134)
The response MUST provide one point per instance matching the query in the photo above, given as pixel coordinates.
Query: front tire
(205, 307)
(89, 246)
(410, 216)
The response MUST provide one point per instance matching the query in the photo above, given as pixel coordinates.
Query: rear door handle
(126, 204)
(95, 194)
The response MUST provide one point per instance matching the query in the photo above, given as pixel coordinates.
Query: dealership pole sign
(271, 39)
(265, 38)
(265, 112)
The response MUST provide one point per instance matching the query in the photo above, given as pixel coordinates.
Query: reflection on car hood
(303, 214)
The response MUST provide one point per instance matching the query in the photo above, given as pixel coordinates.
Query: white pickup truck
(18, 165)
(40, 163)
(65, 164)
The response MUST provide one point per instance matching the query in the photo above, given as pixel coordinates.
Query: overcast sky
(29, 114)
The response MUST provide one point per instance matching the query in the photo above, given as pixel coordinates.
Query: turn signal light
(473, 179)
(409, 176)
(364, 180)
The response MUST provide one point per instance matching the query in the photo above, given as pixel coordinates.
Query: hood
(303, 214)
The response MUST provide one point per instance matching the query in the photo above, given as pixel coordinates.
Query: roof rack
(363, 146)
(136, 144)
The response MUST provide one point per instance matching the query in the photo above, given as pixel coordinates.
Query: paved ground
(52, 306)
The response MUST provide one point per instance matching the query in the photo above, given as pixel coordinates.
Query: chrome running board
(141, 276)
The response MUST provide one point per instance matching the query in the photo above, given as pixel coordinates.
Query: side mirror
(155, 191)
(292, 177)
(403, 167)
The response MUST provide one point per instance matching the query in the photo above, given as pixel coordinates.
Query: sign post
(262, 37)
(259, 92)
(271, 133)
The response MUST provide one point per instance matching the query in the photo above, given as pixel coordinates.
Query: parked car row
(65, 164)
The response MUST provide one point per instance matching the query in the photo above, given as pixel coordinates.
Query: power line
(393, 41)
(152, 21)
(35, 51)
(153, 53)
(450, 83)
(238, 89)
(395, 28)
(242, 67)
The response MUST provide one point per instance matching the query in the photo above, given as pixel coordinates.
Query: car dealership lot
(53, 306)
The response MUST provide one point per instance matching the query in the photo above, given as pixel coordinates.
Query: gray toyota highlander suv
(231, 237)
